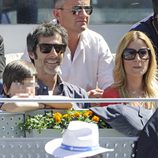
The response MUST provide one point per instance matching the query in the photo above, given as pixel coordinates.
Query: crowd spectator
(27, 11)
(19, 79)
(149, 26)
(135, 71)
(46, 46)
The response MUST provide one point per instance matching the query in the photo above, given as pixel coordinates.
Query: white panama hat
(81, 139)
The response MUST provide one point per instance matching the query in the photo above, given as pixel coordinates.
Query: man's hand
(95, 93)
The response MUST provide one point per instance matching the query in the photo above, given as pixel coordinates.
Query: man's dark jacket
(147, 146)
(146, 26)
(128, 120)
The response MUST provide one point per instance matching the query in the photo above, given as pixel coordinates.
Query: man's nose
(53, 51)
(83, 12)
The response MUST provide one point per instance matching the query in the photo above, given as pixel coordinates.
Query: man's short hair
(59, 3)
(45, 30)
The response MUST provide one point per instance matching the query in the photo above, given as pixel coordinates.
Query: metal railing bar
(78, 100)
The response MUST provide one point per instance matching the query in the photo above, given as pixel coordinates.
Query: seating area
(13, 56)
(34, 147)
(21, 145)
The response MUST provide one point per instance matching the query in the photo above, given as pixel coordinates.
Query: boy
(19, 79)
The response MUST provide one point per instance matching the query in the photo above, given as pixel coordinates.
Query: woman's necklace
(125, 93)
(133, 94)
(136, 94)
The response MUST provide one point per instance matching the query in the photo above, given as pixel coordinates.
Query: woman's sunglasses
(46, 47)
(78, 9)
(130, 54)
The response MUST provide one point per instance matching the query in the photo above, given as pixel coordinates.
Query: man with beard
(46, 46)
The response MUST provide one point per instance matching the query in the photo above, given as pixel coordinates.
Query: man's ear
(6, 90)
(56, 13)
(31, 55)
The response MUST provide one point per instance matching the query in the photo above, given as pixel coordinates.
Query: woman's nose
(137, 57)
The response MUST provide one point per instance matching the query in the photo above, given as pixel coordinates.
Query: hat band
(80, 149)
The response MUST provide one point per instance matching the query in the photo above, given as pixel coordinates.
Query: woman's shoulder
(111, 92)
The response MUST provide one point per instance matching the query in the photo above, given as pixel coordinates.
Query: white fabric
(25, 55)
(13, 56)
(92, 64)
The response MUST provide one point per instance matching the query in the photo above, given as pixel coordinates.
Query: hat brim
(53, 148)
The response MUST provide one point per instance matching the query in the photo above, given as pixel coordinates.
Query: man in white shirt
(87, 62)
(91, 65)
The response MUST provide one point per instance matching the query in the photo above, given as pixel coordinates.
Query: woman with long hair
(135, 71)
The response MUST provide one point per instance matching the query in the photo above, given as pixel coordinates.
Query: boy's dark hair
(45, 30)
(18, 71)
(155, 6)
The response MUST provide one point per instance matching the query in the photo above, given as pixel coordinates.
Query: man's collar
(58, 87)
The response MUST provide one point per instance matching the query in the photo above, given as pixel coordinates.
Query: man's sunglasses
(46, 47)
(78, 9)
(130, 54)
